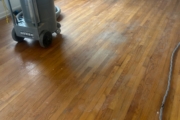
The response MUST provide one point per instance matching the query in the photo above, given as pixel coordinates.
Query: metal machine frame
(35, 30)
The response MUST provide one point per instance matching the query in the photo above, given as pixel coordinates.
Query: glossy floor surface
(110, 63)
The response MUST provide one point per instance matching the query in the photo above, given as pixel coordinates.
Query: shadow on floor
(50, 62)
(60, 18)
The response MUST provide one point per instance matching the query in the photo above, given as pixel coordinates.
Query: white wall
(15, 5)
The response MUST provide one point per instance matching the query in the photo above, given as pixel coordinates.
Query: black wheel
(45, 39)
(15, 37)
(58, 25)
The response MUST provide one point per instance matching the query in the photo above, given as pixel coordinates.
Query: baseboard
(3, 14)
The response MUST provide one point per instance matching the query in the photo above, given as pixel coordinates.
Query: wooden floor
(111, 63)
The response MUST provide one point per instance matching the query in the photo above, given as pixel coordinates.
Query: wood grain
(111, 62)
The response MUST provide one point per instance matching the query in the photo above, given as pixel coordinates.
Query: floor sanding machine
(38, 20)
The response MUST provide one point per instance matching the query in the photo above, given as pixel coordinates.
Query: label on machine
(27, 34)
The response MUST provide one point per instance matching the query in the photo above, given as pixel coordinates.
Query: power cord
(169, 81)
